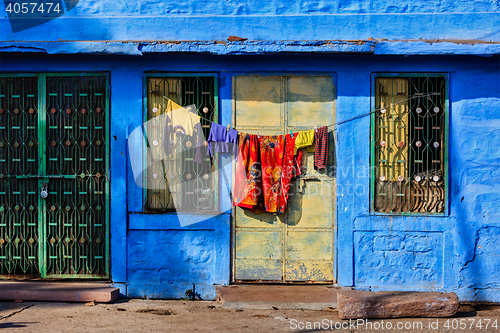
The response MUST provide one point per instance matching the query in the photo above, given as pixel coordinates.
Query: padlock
(44, 193)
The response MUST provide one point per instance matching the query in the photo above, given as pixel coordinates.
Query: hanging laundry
(297, 164)
(321, 150)
(272, 149)
(185, 122)
(248, 178)
(304, 139)
(289, 165)
(171, 105)
(222, 140)
(264, 170)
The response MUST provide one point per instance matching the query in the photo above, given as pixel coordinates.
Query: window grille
(190, 186)
(409, 145)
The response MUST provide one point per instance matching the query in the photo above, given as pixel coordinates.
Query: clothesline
(339, 122)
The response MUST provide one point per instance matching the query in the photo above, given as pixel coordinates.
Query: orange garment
(247, 180)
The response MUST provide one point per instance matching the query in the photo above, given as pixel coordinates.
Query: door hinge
(109, 175)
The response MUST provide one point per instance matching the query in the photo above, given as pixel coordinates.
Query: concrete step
(284, 297)
(57, 291)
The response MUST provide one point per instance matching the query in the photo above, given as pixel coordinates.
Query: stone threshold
(58, 291)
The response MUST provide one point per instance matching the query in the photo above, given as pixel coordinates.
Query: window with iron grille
(409, 146)
(190, 186)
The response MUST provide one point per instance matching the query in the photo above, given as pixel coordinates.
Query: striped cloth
(321, 149)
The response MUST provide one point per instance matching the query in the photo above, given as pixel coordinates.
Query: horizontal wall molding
(172, 221)
(407, 48)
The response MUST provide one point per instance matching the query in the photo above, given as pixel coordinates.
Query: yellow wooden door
(299, 245)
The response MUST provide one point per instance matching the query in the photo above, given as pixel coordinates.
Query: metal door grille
(408, 145)
(66, 234)
(19, 223)
(190, 185)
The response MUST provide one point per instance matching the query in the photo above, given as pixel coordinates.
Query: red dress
(247, 180)
(290, 165)
(264, 170)
(272, 150)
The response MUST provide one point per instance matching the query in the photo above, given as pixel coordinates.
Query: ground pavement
(201, 316)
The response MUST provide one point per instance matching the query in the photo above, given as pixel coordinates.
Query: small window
(190, 185)
(409, 156)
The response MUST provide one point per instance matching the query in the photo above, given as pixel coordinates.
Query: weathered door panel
(309, 255)
(258, 237)
(258, 241)
(247, 219)
(259, 254)
(304, 236)
(310, 101)
(310, 236)
(309, 271)
(309, 205)
(258, 102)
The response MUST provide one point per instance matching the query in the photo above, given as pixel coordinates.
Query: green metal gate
(54, 186)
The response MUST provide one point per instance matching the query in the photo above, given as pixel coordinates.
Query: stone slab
(323, 294)
(58, 292)
(279, 306)
(357, 304)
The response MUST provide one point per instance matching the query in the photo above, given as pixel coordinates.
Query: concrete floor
(201, 316)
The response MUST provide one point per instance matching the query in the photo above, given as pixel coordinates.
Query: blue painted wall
(152, 256)
(192, 20)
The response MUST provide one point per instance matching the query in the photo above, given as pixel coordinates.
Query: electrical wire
(339, 122)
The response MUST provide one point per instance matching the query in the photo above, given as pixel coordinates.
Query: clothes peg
(258, 135)
(315, 128)
(291, 133)
(227, 129)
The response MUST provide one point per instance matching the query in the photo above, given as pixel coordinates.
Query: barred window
(190, 185)
(409, 171)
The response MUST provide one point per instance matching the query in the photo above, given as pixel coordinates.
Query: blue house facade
(408, 201)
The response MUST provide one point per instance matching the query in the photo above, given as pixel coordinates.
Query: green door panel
(54, 136)
(19, 160)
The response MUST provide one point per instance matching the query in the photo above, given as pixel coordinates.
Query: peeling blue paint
(259, 47)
